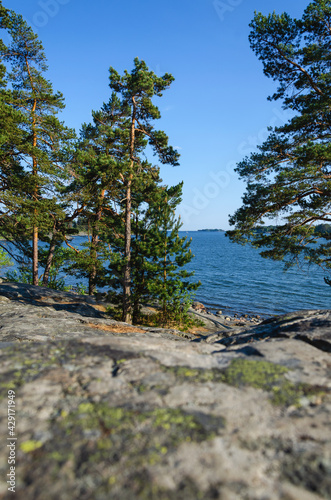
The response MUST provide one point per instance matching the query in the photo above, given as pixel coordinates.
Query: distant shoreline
(211, 230)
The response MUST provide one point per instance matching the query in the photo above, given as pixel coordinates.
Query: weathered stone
(106, 410)
(313, 327)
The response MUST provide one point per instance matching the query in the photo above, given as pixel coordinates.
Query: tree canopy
(34, 142)
(51, 181)
(289, 177)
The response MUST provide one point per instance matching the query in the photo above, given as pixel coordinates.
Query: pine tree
(290, 176)
(144, 189)
(11, 135)
(171, 283)
(95, 188)
(158, 253)
(136, 91)
(31, 209)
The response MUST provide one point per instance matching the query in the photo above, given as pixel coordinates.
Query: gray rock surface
(104, 410)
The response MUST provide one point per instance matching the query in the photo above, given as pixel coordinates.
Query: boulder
(198, 306)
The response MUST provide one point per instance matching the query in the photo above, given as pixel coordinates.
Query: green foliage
(289, 177)
(24, 275)
(56, 279)
(158, 254)
(128, 212)
(34, 143)
(133, 243)
(81, 224)
(323, 230)
(79, 288)
(5, 260)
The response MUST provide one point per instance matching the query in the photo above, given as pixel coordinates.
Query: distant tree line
(55, 184)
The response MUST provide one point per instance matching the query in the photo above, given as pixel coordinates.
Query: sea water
(236, 279)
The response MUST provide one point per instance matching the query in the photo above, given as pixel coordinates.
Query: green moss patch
(159, 429)
(112, 448)
(271, 378)
(30, 445)
(195, 375)
(258, 374)
(264, 375)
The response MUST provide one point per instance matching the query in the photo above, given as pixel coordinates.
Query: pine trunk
(35, 236)
(164, 305)
(94, 246)
(127, 317)
(35, 280)
(93, 272)
(49, 260)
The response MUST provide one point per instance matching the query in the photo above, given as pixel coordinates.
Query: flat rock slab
(313, 327)
(106, 410)
(35, 313)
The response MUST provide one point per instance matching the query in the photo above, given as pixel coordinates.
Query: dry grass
(116, 328)
(99, 308)
(197, 330)
(156, 321)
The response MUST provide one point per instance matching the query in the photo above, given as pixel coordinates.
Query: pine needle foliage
(289, 178)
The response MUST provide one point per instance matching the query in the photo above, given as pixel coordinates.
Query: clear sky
(215, 112)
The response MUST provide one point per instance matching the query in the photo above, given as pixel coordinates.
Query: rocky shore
(101, 409)
(219, 319)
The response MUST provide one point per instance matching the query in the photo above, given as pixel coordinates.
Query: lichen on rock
(102, 413)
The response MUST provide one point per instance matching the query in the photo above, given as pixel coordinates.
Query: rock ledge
(106, 410)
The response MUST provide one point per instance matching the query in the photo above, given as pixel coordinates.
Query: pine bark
(94, 256)
(49, 261)
(127, 317)
(127, 313)
(35, 235)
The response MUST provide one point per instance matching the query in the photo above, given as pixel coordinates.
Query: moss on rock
(116, 442)
(271, 378)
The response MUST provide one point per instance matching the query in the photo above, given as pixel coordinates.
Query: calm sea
(236, 279)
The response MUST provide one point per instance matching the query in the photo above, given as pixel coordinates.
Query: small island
(212, 230)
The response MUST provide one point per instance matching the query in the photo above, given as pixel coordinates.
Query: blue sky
(215, 112)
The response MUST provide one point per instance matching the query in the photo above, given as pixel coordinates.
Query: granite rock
(108, 410)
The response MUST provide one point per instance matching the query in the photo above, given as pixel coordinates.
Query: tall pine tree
(40, 152)
(289, 178)
(96, 188)
(136, 91)
(11, 137)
